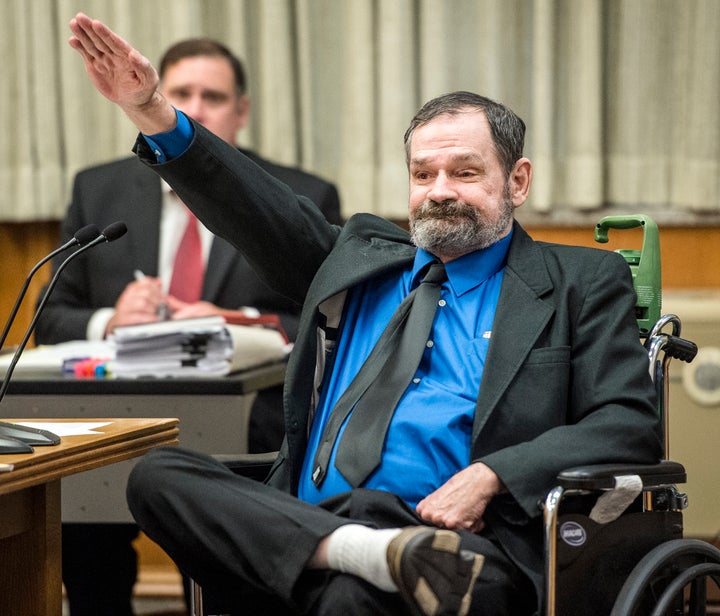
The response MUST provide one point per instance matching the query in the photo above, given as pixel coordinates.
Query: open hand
(122, 74)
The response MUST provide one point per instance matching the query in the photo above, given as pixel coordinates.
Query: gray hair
(507, 128)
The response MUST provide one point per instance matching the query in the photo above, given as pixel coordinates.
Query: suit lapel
(367, 247)
(520, 318)
(355, 259)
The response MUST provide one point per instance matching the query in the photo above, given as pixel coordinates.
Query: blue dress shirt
(429, 436)
(171, 144)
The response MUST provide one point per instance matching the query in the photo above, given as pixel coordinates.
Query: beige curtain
(620, 96)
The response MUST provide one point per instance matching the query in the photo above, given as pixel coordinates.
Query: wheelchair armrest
(602, 476)
(252, 465)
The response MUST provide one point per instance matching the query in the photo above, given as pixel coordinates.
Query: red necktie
(188, 270)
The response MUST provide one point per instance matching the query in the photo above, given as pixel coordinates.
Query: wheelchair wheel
(669, 576)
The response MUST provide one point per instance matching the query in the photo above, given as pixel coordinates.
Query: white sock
(362, 551)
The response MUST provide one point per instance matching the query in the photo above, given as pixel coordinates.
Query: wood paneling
(690, 258)
(22, 245)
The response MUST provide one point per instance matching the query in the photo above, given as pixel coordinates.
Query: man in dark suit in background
(100, 292)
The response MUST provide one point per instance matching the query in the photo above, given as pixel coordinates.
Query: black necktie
(378, 386)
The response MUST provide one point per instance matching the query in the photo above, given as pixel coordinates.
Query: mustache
(449, 208)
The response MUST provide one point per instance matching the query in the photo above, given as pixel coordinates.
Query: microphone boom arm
(35, 436)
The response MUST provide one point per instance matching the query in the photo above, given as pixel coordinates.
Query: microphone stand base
(30, 436)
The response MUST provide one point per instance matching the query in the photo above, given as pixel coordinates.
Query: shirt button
(442, 302)
(416, 380)
(429, 344)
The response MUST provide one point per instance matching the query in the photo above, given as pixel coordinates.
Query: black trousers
(247, 543)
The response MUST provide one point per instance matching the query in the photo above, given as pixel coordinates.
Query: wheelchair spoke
(674, 589)
(659, 579)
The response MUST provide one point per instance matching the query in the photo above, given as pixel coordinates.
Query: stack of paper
(205, 346)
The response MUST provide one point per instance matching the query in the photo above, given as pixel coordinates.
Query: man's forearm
(156, 116)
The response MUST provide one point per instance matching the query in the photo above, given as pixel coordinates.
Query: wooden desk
(213, 414)
(30, 538)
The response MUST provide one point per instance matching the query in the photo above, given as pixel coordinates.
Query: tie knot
(436, 274)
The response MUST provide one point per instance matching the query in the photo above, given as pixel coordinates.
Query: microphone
(23, 435)
(81, 237)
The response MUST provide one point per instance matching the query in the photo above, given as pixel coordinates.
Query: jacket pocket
(549, 355)
(537, 398)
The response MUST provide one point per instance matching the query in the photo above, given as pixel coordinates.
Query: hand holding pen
(161, 308)
(145, 295)
(142, 301)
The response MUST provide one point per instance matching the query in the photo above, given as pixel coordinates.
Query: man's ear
(520, 180)
(243, 111)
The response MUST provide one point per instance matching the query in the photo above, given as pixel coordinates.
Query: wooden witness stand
(30, 529)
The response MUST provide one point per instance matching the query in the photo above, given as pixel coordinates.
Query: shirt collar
(470, 270)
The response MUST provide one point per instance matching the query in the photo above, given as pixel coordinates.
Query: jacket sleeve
(285, 237)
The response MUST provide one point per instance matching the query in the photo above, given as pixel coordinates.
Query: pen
(162, 309)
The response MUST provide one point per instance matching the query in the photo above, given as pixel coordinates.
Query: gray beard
(452, 228)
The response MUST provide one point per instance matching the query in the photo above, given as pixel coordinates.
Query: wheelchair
(613, 533)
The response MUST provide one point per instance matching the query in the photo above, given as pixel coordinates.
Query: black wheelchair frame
(637, 564)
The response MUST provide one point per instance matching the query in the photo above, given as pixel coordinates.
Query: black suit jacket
(566, 379)
(127, 190)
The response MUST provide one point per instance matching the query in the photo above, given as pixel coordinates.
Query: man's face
(460, 199)
(203, 87)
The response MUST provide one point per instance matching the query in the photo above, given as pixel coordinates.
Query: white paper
(46, 359)
(66, 428)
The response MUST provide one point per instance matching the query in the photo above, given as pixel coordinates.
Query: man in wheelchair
(426, 498)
